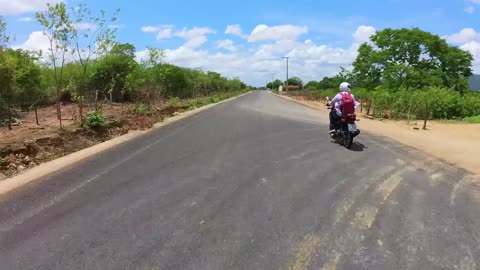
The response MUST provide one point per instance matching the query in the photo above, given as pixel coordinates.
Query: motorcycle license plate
(352, 128)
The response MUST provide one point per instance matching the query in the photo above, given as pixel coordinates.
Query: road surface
(255, 183)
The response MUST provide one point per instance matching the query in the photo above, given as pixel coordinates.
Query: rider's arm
(337, 107)
(336, 99)
(355, 101)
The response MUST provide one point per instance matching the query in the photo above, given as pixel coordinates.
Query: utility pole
(273, 80)
(286, 82)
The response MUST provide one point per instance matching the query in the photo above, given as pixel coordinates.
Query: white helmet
(345, 87)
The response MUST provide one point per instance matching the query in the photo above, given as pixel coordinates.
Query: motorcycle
(345, 130)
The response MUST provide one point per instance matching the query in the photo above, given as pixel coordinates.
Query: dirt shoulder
(455, 143)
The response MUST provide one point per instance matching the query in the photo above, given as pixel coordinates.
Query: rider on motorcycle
(336, 104)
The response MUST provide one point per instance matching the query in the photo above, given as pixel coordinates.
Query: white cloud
(235, 30)
(149, 29)
(464, 36)
(264, 32)
(36, 41)
(363, 34)
(226, 44)
(15, 7)
(162, 31)
(85, 26)
(25, 19)
(255, 65)
(194, 32)
(470, 9)
(195, 37)
(195, 42)
(474, 48)
(141, 55)
(165, 32)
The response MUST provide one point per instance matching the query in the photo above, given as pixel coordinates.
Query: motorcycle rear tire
(347, 140)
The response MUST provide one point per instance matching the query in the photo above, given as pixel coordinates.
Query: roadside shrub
(472, 119)
(95, 119)
(139, 108)
(174, 101)
(470, 105)
(215, 99)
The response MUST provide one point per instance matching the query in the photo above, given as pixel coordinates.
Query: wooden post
(59, 111)
(81, 111)
(9, 122)
(81, 108)
(36, 116)
(96, 100)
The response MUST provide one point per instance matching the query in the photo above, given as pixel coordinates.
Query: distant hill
(474, 82)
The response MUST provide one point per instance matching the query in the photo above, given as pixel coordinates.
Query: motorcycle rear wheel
(347, 140)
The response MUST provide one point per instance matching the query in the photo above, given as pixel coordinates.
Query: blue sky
(319, 36)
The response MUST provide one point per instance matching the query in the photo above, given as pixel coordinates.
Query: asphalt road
(255, 183)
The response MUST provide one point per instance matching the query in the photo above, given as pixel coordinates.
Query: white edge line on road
(10, 184)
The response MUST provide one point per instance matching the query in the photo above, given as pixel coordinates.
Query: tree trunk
(369, 105)
(425, 123)
(409, 112)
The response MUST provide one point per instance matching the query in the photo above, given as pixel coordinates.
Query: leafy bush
(174, 101)
(215, 99)
(95, 119)
(472, 119)
(139, 109)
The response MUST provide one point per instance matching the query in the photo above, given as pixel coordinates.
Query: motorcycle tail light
(352, 117)
(343, 120)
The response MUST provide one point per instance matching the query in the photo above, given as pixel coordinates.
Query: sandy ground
(48, 122)
(455, 143)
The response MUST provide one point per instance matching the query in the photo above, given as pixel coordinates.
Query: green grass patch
(472, 119)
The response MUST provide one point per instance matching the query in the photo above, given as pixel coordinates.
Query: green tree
(7, 91)
(92, 36)
(154, 56)
(327, 83)
(425, 102)
(295, 81)
(411, 59)
(56, 27)
(20, 80)
(275, 84)
(111, 73)
(313, 85)
(4, 37)
(175, 80)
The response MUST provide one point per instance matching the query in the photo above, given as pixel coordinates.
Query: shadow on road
(358, 147)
